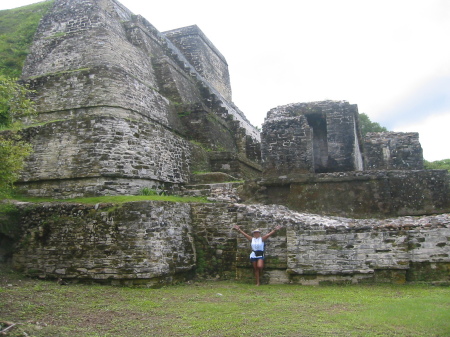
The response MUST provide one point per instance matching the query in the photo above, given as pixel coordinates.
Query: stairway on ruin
(215, 186)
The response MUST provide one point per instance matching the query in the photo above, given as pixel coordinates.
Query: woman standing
(257, 243)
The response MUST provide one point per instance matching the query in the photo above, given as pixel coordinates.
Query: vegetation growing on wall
(14, 103)
(17, 29)
(13, 150)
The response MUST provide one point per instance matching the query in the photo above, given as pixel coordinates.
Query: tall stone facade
(204, 56)
(118, 100)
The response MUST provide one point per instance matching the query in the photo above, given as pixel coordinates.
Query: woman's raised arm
(236, 227)
(265, 237)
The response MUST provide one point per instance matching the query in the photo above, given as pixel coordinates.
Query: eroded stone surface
(118, 99)
(311, 137)
(153, 242)
(393, 151)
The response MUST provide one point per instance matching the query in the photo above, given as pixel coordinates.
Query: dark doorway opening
(318, 123)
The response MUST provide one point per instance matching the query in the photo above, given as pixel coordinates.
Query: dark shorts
(254, 259)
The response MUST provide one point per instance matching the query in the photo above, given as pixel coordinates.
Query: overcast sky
(390, 57)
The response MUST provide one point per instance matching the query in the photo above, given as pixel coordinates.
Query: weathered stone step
(215, 192)
(211, 177)
(213, 185)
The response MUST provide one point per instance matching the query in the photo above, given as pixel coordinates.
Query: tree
(14, 104)
(368, 126)
(13, 152)
(443, 164)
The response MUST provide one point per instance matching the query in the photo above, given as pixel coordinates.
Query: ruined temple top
(297, 109)
(196, 31)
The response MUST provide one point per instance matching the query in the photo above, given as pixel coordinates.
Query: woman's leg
(258, 266)
(256, 271)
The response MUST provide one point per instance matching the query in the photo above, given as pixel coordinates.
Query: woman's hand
(238, 228)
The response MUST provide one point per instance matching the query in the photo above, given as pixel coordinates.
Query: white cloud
(433, 135)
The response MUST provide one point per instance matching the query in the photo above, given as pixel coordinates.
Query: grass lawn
(221, 308)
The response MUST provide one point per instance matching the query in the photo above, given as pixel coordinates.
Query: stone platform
(362, 193)
(155, 243)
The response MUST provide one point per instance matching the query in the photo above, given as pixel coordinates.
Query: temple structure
(123, 107)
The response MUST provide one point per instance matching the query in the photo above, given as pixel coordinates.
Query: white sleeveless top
(257, 244)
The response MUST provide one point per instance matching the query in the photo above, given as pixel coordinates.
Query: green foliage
(443, 164)
(17, 29)
(367, 125)
(203, 146)
(13, 152)
(14, 104)
(149, 191)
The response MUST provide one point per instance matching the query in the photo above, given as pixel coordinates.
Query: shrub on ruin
(14, 104)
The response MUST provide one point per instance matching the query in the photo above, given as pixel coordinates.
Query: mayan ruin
(123, 107)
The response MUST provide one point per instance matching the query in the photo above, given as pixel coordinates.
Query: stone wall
(381, 251)
(235, 165)
(204, 56)
(311, 137)
(287, 147)
(313, 160)
(156, 243)
(118, 99)
(99, 90)
(393, 151)
(112, 155)
(363, 194)
(141, 241)
(215, 240)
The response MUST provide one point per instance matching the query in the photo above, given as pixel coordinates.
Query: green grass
(17, 28)
(224, 308)
(118, 199)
